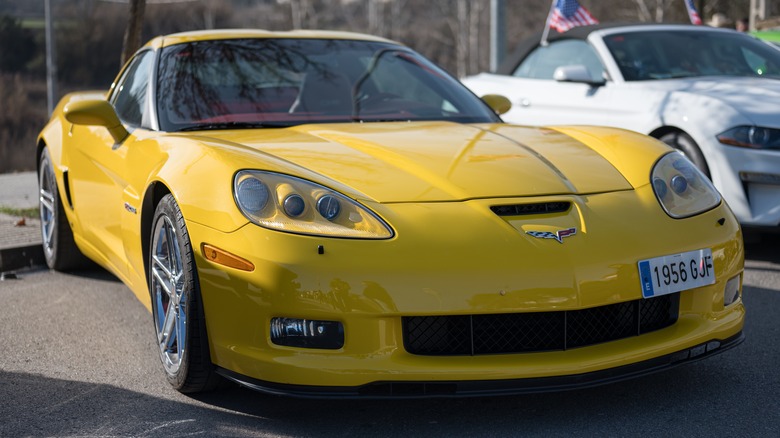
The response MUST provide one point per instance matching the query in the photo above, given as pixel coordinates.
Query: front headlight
(754, 137)
(286, 203)
(681, 188)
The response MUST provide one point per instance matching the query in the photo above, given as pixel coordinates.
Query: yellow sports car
(328, 214)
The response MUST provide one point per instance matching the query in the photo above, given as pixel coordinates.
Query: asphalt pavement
(20, 237)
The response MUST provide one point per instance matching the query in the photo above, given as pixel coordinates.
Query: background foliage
(89, 34)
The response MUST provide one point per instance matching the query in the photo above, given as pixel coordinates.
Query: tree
(132, 41)
(17, 45)
(644, 10)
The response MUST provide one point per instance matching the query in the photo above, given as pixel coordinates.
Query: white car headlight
(286, 203)
(681, 188)
(754, 137)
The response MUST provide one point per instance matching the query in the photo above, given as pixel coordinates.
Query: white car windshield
(653, 55)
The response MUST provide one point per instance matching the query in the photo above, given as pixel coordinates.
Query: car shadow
(92, 272)
(95, 272)
(45, 406)
(585, 410)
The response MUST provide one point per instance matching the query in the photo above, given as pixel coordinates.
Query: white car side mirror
(575, 73)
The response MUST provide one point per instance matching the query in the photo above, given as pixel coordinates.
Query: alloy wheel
(169, 296)
(48, 206)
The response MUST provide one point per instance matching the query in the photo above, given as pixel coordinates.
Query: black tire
(685, 144)
(177, 311)
(59, 248)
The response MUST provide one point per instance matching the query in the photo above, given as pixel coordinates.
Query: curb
(20, 246)
(21, 257)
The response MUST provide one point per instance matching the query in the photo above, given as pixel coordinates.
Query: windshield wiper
(234, 125)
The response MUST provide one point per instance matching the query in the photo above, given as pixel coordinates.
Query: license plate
(676, 272)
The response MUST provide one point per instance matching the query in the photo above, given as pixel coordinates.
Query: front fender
(702, 118)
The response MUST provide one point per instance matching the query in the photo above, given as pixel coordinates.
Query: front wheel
(685, 144)
(179, 323)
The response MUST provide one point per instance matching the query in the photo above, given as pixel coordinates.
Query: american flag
(692, 14)
(568, 14)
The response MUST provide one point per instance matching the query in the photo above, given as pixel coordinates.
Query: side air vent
(526, 209)
(66, 183)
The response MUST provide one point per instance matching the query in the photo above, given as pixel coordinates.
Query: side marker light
(222, 257)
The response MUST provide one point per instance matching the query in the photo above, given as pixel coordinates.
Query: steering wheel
(368, 100)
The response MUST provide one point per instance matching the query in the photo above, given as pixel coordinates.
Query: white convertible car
(712, 93)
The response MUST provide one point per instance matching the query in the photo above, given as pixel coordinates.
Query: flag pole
(546, 31)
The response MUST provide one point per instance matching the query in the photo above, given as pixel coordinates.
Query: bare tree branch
(132, 41)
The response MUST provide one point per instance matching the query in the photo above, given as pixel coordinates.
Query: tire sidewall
(169, 208)
(50, 254)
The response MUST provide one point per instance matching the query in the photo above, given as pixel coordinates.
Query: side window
(130, 97)
(542, 62)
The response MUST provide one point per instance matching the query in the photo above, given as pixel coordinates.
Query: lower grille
(536, 331)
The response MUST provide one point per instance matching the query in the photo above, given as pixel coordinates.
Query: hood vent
(527, 209)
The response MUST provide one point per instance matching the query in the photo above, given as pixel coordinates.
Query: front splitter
(485, 388)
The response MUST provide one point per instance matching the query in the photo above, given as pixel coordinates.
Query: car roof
(582, 33)
(226, 34)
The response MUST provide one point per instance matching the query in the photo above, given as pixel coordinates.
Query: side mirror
(498, 103)
(96, 113)
(576, 73)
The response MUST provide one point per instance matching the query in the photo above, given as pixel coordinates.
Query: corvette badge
(550, 235)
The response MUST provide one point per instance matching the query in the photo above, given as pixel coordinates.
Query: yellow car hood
(438, 161)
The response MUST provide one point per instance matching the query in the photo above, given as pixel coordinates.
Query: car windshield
(285, 82)
(652, 55)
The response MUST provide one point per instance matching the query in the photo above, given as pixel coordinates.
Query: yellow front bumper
(462, 267)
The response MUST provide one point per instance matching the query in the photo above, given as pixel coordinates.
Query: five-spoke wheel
(178, 317)
(169, 295)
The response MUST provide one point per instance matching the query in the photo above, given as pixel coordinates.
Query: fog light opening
(307, 333)
(733, 290)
